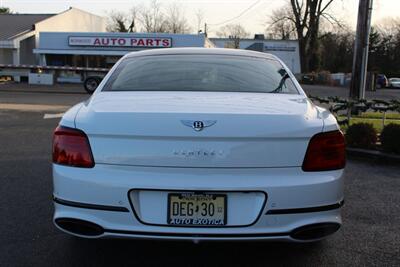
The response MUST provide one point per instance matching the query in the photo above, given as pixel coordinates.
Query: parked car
(382, 81)
(199, 144)
(308, 79)
(394, 82)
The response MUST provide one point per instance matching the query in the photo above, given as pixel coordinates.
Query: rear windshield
(201, 73)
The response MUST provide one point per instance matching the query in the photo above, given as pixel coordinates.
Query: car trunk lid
(154, 129)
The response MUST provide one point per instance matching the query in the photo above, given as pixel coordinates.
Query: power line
(238, 16)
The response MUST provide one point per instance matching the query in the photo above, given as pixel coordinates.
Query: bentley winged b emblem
(198, 125)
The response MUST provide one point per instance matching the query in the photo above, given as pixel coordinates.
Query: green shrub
(390, 138)
(361, 135)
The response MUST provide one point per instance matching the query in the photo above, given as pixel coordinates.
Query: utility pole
(360, 60)
(205, 29)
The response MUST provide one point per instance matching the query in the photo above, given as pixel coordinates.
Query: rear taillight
(71, 147)
(325, 152)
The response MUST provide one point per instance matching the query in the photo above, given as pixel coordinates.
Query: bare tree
(175, 19)
(280, 25)
(152, 18)
(388, 26)
(306, 16)
(117, 22)
(199, 19)
(134, 18)
(235, 32)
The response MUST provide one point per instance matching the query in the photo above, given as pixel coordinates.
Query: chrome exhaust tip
(314, 231)
(79, 227)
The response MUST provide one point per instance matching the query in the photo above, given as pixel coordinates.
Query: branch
(325, 7)
(282, 19)
(295, 5)
(332, 20)
(298, 6)
(306, 12)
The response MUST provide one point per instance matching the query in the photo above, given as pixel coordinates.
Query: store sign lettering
(120, 41)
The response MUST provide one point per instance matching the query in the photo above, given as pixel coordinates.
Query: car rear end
(394, 82)
(196, 165)
(382, 81)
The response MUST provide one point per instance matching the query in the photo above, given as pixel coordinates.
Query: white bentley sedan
(199, 144)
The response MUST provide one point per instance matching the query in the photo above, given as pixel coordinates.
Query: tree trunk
(313, 51)
(312, 34)
(303, 55)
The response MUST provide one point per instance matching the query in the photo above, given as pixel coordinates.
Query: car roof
(201, 51)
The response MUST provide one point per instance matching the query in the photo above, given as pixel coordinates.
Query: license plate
(193, 209)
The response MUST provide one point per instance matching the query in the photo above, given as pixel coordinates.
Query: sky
(215, 11)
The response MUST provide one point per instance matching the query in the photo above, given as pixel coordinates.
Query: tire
(91, 83)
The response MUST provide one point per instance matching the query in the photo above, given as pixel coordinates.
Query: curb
(373, 154)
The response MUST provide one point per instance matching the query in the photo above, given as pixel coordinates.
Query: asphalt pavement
(370, 235)
(60, 94)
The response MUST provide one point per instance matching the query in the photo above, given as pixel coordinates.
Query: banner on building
(150, 42)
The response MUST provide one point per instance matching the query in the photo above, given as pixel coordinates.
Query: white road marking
(52, 116)
(33, 107)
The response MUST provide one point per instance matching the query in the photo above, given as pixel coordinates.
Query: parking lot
(370, 234)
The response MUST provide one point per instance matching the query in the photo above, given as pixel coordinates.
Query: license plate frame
(218, 199)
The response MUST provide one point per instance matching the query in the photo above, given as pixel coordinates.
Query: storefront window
(78, 61)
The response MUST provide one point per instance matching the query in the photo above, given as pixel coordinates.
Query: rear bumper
(329, 221)
(101, 196)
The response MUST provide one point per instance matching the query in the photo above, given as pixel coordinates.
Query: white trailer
(91, 77)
